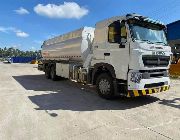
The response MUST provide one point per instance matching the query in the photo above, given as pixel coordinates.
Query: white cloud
(18, 32)
(67, 10)
(6, 29)
(22, 34)
(21, 11)
(2, 29)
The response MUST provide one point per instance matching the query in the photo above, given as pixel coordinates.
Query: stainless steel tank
(75, 45)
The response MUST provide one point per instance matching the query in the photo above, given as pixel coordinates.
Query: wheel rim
(104, 86)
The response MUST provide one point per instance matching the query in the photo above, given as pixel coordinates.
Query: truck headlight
(136, 77)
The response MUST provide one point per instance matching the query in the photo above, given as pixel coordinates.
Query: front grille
(157, 75)
(154, 85)
(155, 60)
(147, 74)
(154, 70)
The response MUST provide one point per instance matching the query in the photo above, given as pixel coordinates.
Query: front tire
(104, 85)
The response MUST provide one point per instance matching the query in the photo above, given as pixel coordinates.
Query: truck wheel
(53, 73)
(47, 73)
(104, 85)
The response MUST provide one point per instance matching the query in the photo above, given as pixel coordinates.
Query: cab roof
(126, 17)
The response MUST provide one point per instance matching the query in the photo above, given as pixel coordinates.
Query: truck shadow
(172, 103)
(85, 102)
(67, 95)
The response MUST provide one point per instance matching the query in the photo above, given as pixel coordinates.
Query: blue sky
(25, 24)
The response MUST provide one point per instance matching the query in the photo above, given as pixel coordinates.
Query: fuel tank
(73, 46)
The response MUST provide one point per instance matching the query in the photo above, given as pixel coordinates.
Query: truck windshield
(148, 33)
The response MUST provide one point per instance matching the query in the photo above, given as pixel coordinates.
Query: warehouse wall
(174, 31)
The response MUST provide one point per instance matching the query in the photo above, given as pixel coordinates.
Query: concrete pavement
(32, 107)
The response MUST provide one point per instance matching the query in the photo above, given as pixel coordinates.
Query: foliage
(13, 52)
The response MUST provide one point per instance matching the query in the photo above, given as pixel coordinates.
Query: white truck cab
(137, 49)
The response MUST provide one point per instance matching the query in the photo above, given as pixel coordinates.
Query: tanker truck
(123, 55)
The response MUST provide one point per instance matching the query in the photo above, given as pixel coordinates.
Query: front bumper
(135, 93)
(147, 83)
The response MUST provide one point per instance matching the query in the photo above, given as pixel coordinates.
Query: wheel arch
(102, 68)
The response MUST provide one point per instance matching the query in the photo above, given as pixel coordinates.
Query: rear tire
(104, 85)
(47, 73)
(53, 73)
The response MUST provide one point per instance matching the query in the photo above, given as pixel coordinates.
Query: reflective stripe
(136, 93)
(164, 88)
(153, 90)
(143, 92)
(157, 90)
(150, 91)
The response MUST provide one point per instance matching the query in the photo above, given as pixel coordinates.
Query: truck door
(118, 46)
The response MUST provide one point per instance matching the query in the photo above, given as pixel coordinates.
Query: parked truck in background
(124, 55)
